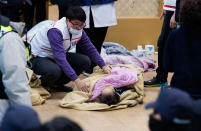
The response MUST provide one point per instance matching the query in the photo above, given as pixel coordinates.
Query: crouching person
(50, 50)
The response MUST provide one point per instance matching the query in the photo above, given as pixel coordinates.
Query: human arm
(173, 23)
(56, 42)
(162, 14)
(91, 51)
(107, 69)
(82, 86)
(13, 68)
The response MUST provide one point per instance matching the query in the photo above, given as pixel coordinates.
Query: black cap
(173, 103)
(20, 118)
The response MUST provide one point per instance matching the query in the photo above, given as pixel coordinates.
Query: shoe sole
(157, 85)
(86, 74)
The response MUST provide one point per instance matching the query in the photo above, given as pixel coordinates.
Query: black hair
(60, 124)
(109, 99)
(190, 13)
(75, 13)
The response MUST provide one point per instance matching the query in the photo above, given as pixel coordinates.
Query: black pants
(2, 88)
(51, 73)
(161, 73)
(40, 6)
(97, 36)
(62, 11)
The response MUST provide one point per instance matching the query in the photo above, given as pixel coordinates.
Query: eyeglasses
(78, 25)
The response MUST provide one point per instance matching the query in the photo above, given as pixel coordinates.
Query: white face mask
(75, 32)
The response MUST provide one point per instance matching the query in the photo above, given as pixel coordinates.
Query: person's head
(173, 110)
(60, 124)
(190, 13)
(20, 118)
(109, 96)
(75, 19)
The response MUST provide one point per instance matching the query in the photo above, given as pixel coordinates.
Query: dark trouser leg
(2, 88)
(29, 15)
(96, 40)
(40, 11)
(161, 73)
(51, 73)
(97, 37)
(78, 62)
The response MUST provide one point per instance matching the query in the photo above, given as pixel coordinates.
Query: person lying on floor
(100, 84)
(111, 95)
(108, 89)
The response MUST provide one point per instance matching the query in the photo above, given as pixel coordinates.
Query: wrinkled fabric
(119, 77)
(79, 100)
(145, 64)
(13, 68)
(38, 94)
(32, 32)
(18, 26)
(114, 48)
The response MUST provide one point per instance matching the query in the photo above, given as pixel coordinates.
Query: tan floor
(130, 119)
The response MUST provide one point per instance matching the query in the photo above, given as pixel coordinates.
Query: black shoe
(168, 86)
(62, 88)
(154, 82)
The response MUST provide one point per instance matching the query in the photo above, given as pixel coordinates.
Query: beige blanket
(37, 93)
(78, 100)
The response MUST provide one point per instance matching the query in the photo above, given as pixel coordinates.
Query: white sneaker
(85, 73)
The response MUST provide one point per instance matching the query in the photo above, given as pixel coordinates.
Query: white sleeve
(13, 68)
(169, 5)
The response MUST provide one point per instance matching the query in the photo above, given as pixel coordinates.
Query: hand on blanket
(81, 85)
(107, 69)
